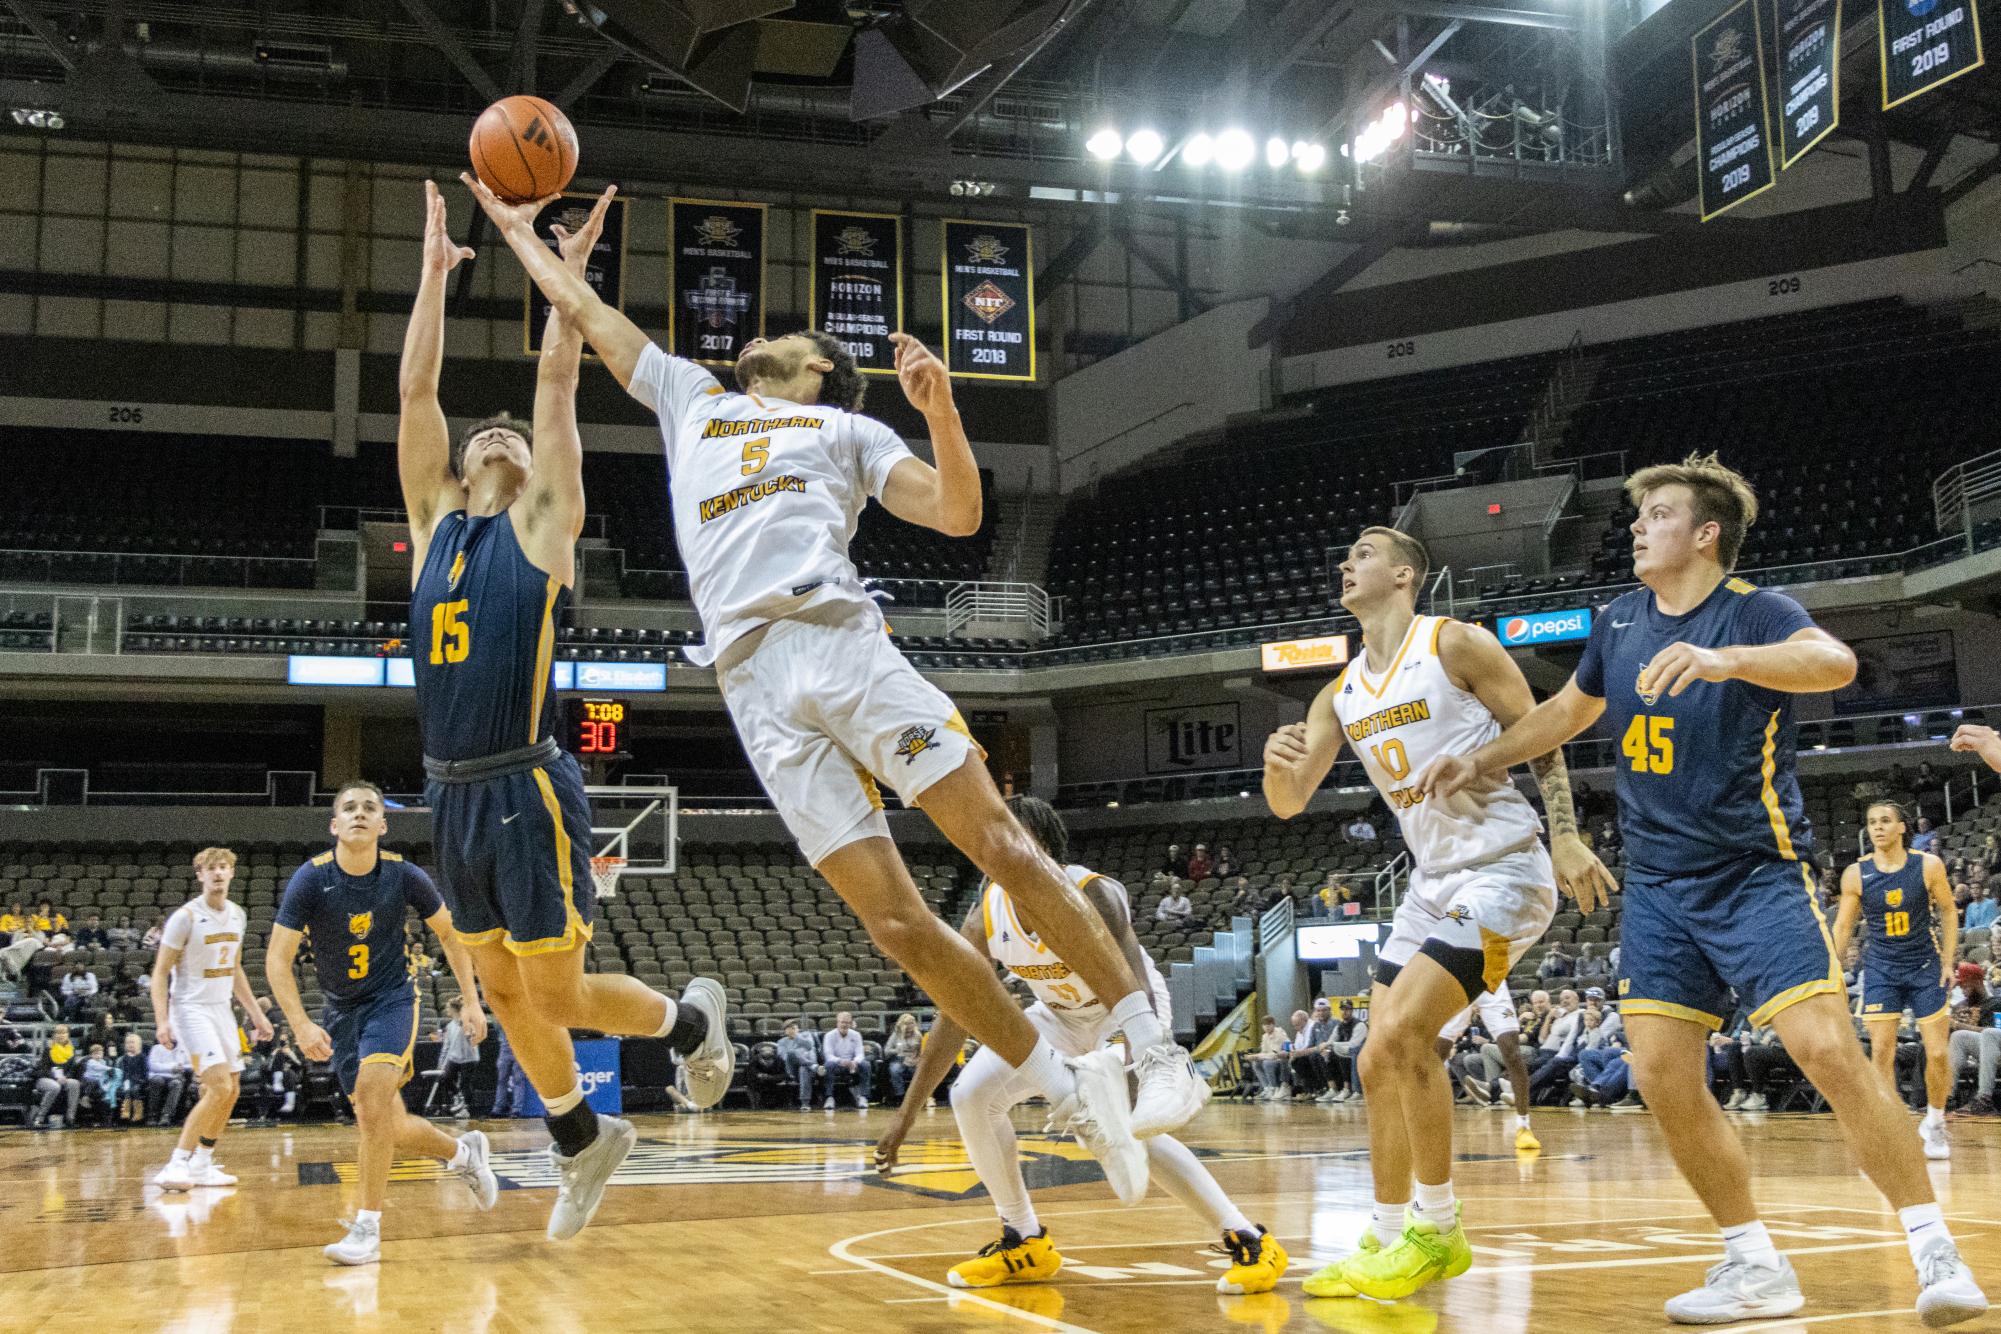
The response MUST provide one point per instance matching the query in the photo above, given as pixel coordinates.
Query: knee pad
(1467, 966)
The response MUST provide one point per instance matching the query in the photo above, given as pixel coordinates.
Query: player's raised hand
(1447, 776)
(1982, 741)
(1286, 748)
(1679, 666)
(575, 247)
(474, 1020)
(441, 253)
(507, 217)
(1579, 873)
(314, 1044)
(921, 374)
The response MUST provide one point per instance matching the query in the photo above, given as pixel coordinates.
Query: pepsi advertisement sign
(1544, 627)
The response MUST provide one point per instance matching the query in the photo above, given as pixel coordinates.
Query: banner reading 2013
(989, 271)
(604, 271)
(1926, 43)
(715, 267)
(1733, 139)
(857, 288)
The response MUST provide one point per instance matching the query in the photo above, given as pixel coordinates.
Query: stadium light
(1309, 158)
(1234, 150)
(1105, 144)
(1144, 146)
(1381, 132)
(1199, 151)
(1277, 152)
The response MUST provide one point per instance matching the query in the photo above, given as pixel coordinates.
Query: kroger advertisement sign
(1544, 627)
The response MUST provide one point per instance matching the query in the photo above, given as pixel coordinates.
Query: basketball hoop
(605, 872)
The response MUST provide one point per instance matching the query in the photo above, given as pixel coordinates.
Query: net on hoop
(605, 872)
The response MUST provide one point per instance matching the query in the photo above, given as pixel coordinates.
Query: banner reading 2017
(989, 271)
(1926, 43)
(857, 288)
(715, 268)
(604, 271)
(1733, 139)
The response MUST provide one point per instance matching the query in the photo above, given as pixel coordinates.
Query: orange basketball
(523, 148)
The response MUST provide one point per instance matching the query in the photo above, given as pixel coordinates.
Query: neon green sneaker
(1422, 1256)
(1328, 1282)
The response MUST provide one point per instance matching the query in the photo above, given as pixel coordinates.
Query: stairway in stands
(1021, 546)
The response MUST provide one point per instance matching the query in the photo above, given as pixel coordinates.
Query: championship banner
(1926, 43)
(1733, 139)
(989, 272)
(605, 271)
(1806, 42)
(715, 269)
(857, 284)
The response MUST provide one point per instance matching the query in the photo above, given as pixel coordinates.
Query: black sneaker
(1980, 1108)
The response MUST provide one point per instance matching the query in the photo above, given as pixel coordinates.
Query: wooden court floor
(773, 1221)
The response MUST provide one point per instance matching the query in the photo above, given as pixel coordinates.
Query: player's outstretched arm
(555, 497)
(1947, 909)
(945, 497)
(616, 339)
(1850, 910)
(1807, 663)
(459, 959)
(1978, 740)
(423, 440)
(1299, 756)
(1544, 728)
(279, 958)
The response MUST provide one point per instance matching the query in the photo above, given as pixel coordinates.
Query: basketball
(523, 148)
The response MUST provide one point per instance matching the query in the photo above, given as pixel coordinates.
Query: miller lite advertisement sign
(715, 270)
(989, 272)
(1202, 736)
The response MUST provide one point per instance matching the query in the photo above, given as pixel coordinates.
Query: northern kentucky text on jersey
(729, 501)
(1382, 720)
(718, 428)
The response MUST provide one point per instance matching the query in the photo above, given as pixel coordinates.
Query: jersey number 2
(451, 637)
(357, 961)
(1648, 745)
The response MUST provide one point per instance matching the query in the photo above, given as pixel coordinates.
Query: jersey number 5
(1648, 745)
(756, 453)
(357, 961)
(451, 637)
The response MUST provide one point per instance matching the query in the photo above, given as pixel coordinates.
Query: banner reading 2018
(604, 271)
(715, 268)
(1926, 43)
(989, 300)
(1733, 139)
(857, 288)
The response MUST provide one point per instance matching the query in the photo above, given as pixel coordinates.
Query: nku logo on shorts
(1544, 627)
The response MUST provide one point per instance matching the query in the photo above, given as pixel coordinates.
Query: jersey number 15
(451, 637)
(1648, 744)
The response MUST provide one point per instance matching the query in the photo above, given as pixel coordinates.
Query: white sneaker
(1508, 1094)
(861, 1103)
(1734, 1291)
(1947, 1293)
(1937, 1146)
(584, 1176)
(477, 1174)
(1169, 1092)
(1099, 1119)
(712, 1065)
(361, 1246)
(211, 1175)
(830, 1103)
(1736, 1100)
(1755, 1103)
(175, 1176)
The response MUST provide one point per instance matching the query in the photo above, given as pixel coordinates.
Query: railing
(1182, 406)
(1275, 925)
(71, 787)
(981, 601)
(1387, 885)
(1963, 487)
(1969, 799)
(144, 568)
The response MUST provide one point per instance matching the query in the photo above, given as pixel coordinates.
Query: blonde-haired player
(1076, 1021)
(198, 969)
(1483, 892)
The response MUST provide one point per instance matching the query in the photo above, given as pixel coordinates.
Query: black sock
(690, 1030)
(574, 1130)
(205, 1141)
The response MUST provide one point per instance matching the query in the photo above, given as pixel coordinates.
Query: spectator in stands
(1976, 873)
(457, 1057)
(841, 1051)
(1342, 1053)
(802, 1061)
(1593, 969)
(1922, 840)
(1200, 865)
(900, 1052)
(1980, 913)
(123, 935)
(1175, 907)
(1604, 1073)
(1226, 862)
(151, 940)
(1962, 896)
(1559, 962)
(132, 1074)
(167, 1075)
(1268, 1063)
(92, 936)
(1174, 867)
(1726, 1070)
(1609, 840)
(1975, 1039)
(1312, 1038)
(1990, 853)
(101, 1084)
(1359, 830)
(56, 1076)
(1764, 1056)
(1537, 1015)
(79, 991)
(1969, 985)
(14, 919)
(26, 944)
(48, 921)
(1244, 902)
(1584, 1029)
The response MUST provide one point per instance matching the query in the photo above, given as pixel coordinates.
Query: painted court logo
(914, 741)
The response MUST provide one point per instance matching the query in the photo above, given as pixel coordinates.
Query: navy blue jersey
(1901, 929)
(1706, 779)
(482, 634)
(356, 922)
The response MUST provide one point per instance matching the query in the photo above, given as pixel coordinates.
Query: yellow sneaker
(1328, 1282)
(1526, 1142)
(1012, 1259)
(1258, 1262)
(1422, 1256)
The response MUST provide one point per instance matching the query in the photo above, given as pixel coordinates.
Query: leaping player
(493, 531)
(353, 901)
(1483, 892)
(201, 955)
(1695, 673)
(1906, 957)
(1070, 1016)
(766, 486)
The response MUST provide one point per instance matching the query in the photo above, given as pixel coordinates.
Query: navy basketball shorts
(1891, 986)
(514, 857)
(379, 1029)
(1752, 927)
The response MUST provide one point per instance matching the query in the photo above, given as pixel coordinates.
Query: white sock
(1934, 1116)
(368, 1216)
(667, 1021)
(1386, 1221)
(1924, 1224)
(202, 1157)
(1435, 1205)
(460, 1158)
(557, 1106)
(981, 1098)
(1174, 1166)
(1134, 1017)
(181, 1156)
(1022, 1220)
(1521, 1123)
(1751, 1244)
(1046, 1074)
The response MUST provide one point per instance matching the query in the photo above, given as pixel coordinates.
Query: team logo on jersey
(988, 302)
(1647, 697)
(717, 230)
(914, 741)
(358, 923)
(855, 241)
(1893, 897)
(458, 570)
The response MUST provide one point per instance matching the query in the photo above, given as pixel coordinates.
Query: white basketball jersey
(765, 496)
(210, 944)
(1401, 721)
(1015, 948)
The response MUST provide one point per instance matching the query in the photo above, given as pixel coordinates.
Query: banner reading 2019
(715, 268)
(857, 291)
(989, 300)
(1926, 43)
(1733, 138)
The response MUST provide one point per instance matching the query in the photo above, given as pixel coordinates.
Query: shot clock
(595, 726)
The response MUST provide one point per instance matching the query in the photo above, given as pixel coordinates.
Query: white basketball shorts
(827, 708)
(1499, 907)
(1497, 1016)
(206, 1031)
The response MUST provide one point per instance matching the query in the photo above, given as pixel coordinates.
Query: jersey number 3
(451, 637)
(357, 961)
(1648, 745)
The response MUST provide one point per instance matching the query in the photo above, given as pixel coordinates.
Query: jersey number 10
(1896, 924)
(1648, 745)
